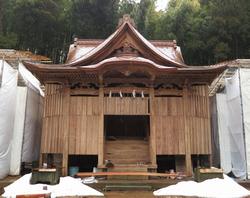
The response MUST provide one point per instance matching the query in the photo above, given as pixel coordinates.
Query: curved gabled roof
(128, 51)
(146, 48)
(81, 47)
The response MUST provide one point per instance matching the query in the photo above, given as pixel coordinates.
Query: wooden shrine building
(129, 100)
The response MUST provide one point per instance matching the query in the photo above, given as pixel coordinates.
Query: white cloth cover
(68, 186)
(224, 138)
(32, 127)
(224, 188)
(17, 141)
(30, 80)
(235, 126)
(7, 114)
(27, 127)
(245, 91)
(232, 149)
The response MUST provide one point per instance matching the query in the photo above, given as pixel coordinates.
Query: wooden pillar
(208, 125)
(152, 127)
(188, 161)
(65, 127)
(101, 128)
(45, 106)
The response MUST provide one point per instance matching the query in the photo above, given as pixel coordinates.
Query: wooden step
(127, 151)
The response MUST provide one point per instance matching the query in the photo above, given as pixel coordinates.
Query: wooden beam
(87, 174)
(65, 123)
(101, 129)
(188, 160)
(168, 92)
(84, 91)
(126, 90)
(152, 128)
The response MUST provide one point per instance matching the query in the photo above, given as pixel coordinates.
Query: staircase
(128, 156)
(127, 152)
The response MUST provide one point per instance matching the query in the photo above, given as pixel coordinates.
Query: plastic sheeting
(7, 114)
(30, 80)
(245, 91)
(20, 119)
(27, 130)
(32, 127)
(232, 149)
(17, 141)
(224, 138)
(214, 133)
(235, 126)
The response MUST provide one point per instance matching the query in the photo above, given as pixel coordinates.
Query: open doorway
(126, 127)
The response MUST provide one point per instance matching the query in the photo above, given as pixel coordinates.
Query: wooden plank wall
(84, 120)
(169, 125)
(52, 132)
(126, 106)
(199, 120)
(84, 125)
(169, 118)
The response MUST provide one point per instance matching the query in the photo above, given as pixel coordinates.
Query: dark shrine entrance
(127, 139)
(126, 127)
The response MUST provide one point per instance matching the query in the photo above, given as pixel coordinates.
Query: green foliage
(37, 26)
(93, 18)
(127, 7)
(207, 31)
(8, 42)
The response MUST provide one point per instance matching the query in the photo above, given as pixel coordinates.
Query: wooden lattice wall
(73, 122)
(170, 123)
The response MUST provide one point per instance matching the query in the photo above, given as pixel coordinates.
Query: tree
(1, 16)
(93, 18)
(38, 26)
(143, 11)
(127, 7)
(230, 24)
(208, 31)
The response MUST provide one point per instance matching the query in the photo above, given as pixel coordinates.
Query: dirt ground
(129, 194)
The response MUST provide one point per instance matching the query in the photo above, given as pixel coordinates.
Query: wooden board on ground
(87, 174)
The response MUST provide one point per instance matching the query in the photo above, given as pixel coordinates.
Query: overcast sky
(161, 4)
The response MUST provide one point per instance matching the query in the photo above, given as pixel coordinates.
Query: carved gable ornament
(126, 51)
(126, 18)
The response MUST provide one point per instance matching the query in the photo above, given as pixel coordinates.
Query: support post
(65, 127)
(152, 127)
(188, 161)
(101, 128)
(209, 125)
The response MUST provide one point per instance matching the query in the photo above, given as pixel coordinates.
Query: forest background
(208, 31)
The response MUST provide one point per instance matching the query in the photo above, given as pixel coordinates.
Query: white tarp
(235, 126)
(30, 80)
(17, 141)
(32, 127)
(7, 114)
(68, 186)
(20, 119)
(231, 136)
(27, 126)
(245, 91)
(224, 188)
(224, 139)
